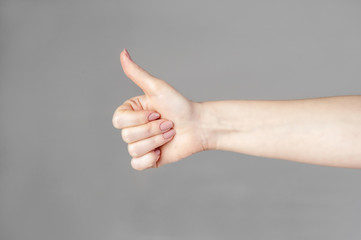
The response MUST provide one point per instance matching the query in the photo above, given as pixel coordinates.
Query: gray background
(65, 172)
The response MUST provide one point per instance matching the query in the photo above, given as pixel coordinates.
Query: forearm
(325, 131)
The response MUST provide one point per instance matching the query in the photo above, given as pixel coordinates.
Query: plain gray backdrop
(65, 172)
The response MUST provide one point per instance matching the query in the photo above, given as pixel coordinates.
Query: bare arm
(325, 131)
(162, 126)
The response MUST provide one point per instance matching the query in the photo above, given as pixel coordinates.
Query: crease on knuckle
(132, 150)
(126, 135)
(149, 129)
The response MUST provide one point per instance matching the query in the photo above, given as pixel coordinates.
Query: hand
(136, 117)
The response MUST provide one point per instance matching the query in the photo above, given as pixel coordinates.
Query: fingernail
(157, 151)
(127, 54)
(153, 116)
(166, 125)
(169, 134)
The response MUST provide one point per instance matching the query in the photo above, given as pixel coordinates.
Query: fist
(161, 126)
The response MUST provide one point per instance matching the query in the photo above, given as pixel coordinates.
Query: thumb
(148, 83)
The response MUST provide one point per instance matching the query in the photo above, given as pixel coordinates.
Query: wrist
(207, 125)
(223, 122)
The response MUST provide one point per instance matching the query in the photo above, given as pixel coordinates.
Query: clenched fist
(160, 126)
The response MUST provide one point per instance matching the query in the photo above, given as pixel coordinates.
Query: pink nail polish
(127, 54)
(169, 134)
(166, 125)
(153, 116)
(157, 152)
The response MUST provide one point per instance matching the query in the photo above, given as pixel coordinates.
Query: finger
(138, 149)
(148, 160)
(129, 118)
(133, 134)
(139, 76)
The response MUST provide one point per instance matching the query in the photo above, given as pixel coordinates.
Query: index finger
(126, 117)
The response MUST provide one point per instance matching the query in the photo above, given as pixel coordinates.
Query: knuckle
(158, 140)
(154, 141)
(132, 150)
(133, 103)
(155, 85)
(149, 129)
(126, 135)
(145, 162)
(135, 165)
(116, 120)
(149, 161)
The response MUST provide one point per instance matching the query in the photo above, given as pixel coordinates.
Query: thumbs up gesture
(161, 126)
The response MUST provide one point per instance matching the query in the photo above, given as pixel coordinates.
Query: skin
(323, 131)
(162, 98)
